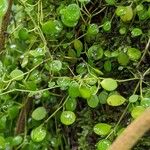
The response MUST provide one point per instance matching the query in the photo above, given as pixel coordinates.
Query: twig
(21, 122)
(145, 51)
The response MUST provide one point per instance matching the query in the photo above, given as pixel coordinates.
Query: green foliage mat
(74, 73)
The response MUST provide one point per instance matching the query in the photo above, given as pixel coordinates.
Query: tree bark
(4, 25)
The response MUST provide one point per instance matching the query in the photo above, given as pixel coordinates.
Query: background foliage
(74, 73)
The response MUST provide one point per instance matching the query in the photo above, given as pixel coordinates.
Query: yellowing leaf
(115, 100)
(109, 84)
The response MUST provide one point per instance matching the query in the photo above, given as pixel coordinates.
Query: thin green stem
(30, 91)
(145, 51)
(98, 12)
(37, 27)
(123, 114)
(53, 114)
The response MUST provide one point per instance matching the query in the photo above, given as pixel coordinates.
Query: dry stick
(133, 132)
(4, 25)
(21, 122)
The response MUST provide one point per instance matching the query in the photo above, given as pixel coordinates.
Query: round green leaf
(70, 15)
(128, 14)
(13, 112)
(115, 53)
(123, 30)
(95, 52)
(52, 28)
(71, 104)
(63, 83)
(93, 89)
(134, 54)
(90, 80)
(143, 14)
(107, 66)
(102, 129)
(38, 134)
(133, 98)
(56, 65)
(81, 68)
(120, 11)
(30, 85)
(38, 52)
(67, 117)
(103, 97)
(103, 144)
(73, 90)
(2, 143)
(95, 71)
(107, 53)
(51, 84)
(85, 92)
(78, 47)
(107, 26)
(145, 102)
(17, 74)
(136, 32)
(93, 101)
(115, 100)
(17, 140)
(46, 94)
(139, 7)
(24, 61)
(137, 111)
(39, 113)
(123, 59)
(23, 34)
(93, 29)
(72, 53)
(109, 84)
